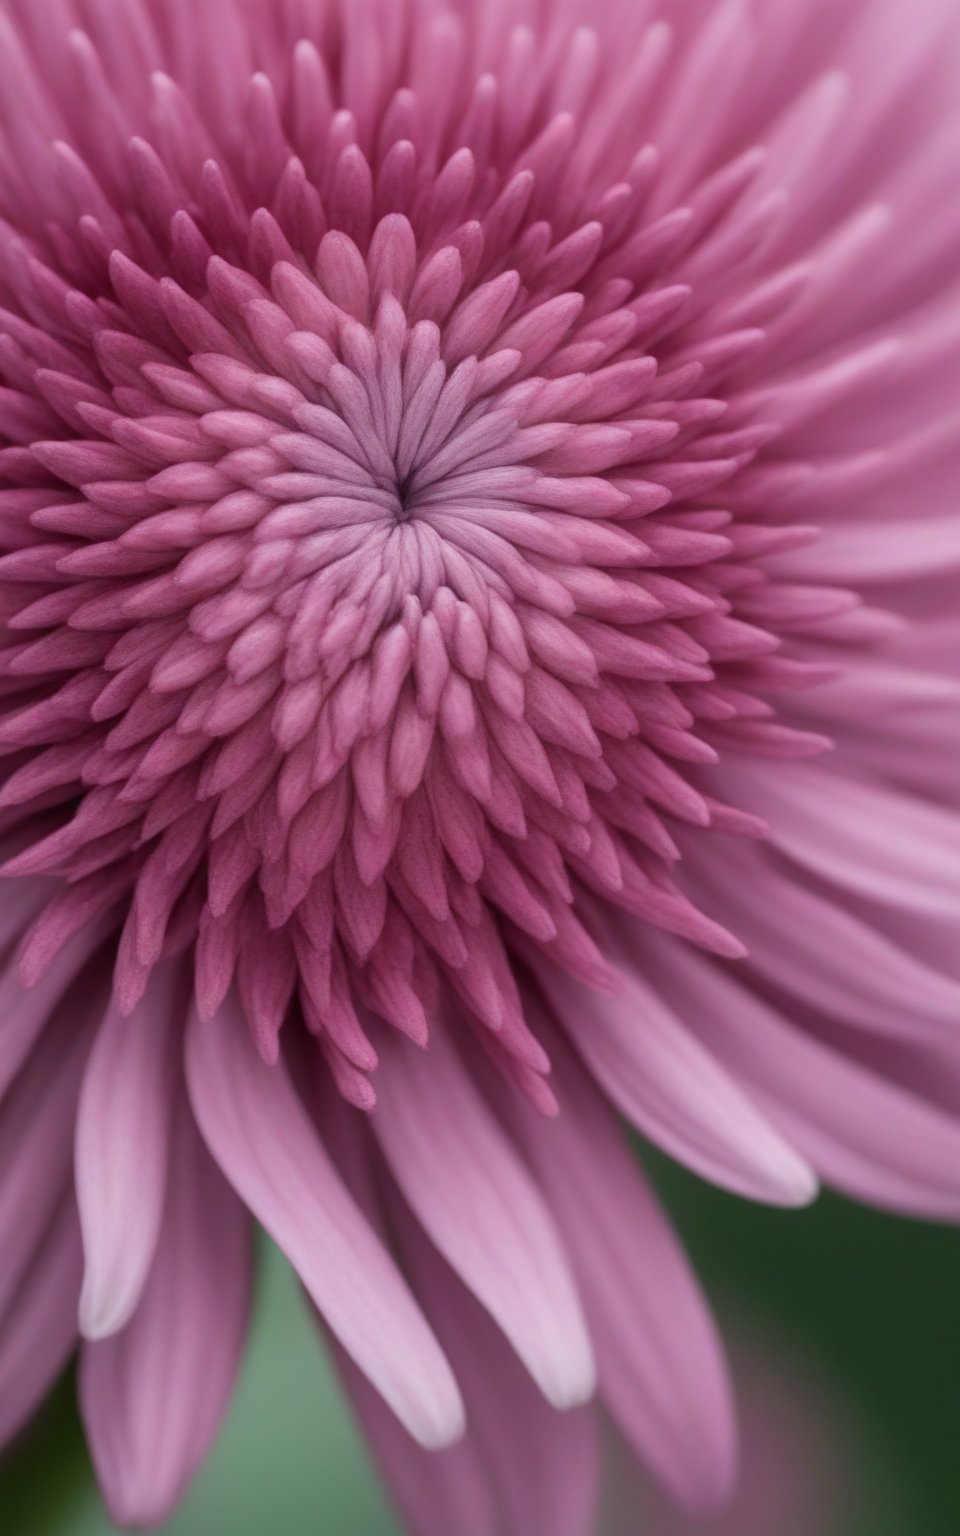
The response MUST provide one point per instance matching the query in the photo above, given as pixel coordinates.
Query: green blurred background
(869, 1304)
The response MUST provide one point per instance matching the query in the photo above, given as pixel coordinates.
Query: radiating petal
(542, 1464)
(452, 1161)
(864, 1133)
(259, 1133)
(38, 1329)
(662, 1369)
(153, 1395)
(668, 1084)
(122, 1146)
(436, 1492)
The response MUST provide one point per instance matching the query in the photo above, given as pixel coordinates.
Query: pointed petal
(25, 1011)
(543, 1464)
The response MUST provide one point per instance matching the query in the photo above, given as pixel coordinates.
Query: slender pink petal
(38, 1330)
(153, 1394)
(661, 1365)
(259, 1133)
(449, 1154)
(36, 1132)
(122, 1150)
(674, 1090)
(436, 1492)
(542, 1464)
(868, 1135)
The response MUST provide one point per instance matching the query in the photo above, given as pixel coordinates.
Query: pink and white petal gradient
(479, 662)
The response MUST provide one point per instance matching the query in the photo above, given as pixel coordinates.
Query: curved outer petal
(121, 1153)
(539, 1467)
(259, 1132)
(476, 1199)
(675, 1091)
(864, 837)
(542, 1463)
(826, 956)
(25, 1011)
(874, 1138)
(662, 1370)
(39, 1327)
(36, 1132)
(154, 1394)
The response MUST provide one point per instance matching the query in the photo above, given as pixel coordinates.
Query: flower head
(448, 448)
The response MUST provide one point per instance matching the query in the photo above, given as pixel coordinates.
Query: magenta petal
(154, 1394)
(258, 1130)
(450, 1156)
(122, 1146)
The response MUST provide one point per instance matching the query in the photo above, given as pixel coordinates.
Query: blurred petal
(153, 1395)
(662, 1370)
(436, 1492)
(673, 1090)
(38, 1329)
(36, 1135)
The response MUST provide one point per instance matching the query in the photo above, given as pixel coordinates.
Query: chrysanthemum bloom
(466, 460)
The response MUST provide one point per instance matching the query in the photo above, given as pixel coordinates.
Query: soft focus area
(853, 1312)
(479, 741)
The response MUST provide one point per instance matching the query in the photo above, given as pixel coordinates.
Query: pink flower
(465, 460)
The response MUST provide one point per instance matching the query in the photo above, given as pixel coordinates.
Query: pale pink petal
(436, 1492)
(122, 1148)
(870, 1136)
(36, 1136)
(539, 1466)
(154, 1394)
(662, 1369)
(676, 1092)
(835, 961)
(543, 1464)
(863, 837)
(259, 1133)
(450, 1157)
(38, 1328)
